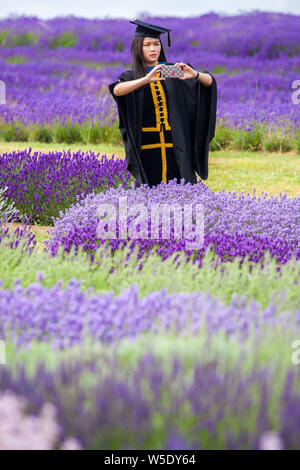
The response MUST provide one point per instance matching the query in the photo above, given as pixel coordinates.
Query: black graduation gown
(192, 115)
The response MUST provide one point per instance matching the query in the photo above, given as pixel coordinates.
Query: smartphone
(171, 71)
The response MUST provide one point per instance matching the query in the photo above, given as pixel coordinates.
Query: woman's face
(151, 50)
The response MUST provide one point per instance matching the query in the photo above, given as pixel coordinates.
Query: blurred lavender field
(59, 69)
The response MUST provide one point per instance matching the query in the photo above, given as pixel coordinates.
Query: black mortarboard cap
(150, 30)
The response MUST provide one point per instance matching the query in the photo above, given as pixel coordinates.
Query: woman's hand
(151, 75)
(188, 72)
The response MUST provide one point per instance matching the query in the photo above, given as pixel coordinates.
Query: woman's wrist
(145, 80)
(123, 88)
(197, 74)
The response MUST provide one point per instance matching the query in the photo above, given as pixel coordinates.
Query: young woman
(166, 124)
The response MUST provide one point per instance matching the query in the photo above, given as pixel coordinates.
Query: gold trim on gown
(157, 147)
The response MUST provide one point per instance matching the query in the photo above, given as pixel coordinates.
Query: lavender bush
(43, 185)
(235, 225)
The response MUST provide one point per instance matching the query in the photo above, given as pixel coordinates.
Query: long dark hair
(139, 69)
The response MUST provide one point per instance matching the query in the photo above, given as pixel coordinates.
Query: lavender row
(65, 317)
(250, 35)
(255, 68)
(235, 225)
(49, 91)
(106, 404)
(104, 60)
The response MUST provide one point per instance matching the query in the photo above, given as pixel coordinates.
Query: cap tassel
(169, 40)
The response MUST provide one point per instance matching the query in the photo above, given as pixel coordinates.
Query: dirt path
(37, 229)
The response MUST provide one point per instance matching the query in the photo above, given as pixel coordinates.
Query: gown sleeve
(122, 78)
(204, 121)
(211, 105)
(121, 104)
(128, 125)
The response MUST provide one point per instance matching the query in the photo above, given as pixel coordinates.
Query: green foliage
(60, 133)
(13, 132)
(298, 142)
(120, 46)
(16, 59)
(65, 39)
(69, 132)
(219, 69)
(222, 138)
(43, 134)
(95, 135)
(73, 133)
(264, 285)
(91, 133)
(249, 138)
(277, 144)
(279, 138)
(94, 44)
(101, 132)
(111, 133)
(22, 39)
(3, 36)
